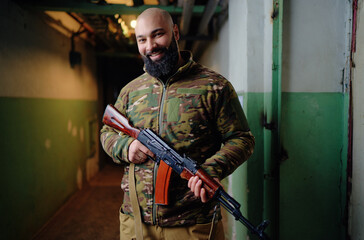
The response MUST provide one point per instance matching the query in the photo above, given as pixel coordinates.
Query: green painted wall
(312, 178)
(44, 148)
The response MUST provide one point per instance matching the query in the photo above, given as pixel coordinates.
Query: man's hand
(138, 153)
(195, 184)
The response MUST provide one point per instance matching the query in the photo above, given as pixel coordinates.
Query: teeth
(155, 54)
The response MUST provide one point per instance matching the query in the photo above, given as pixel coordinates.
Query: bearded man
(197, 112)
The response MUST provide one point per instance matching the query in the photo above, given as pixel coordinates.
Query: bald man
(197, 112)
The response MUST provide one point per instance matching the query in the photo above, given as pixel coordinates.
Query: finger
(135, 157)
(204, 197)
(146, 151)
(193, 183)
(141, 156)
(198, 188)
(193, 180)
(189, 182)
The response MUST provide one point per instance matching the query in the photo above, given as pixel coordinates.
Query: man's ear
(176, 32)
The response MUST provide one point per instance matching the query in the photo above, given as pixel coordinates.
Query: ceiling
(106, 23)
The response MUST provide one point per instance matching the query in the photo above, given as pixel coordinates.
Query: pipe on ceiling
(186, 19)
(207, 15)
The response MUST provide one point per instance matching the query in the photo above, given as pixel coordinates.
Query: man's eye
(141, 40)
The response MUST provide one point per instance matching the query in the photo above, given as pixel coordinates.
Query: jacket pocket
(138, 99)
(185, 105)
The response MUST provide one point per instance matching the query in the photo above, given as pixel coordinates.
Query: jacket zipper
(154, 210)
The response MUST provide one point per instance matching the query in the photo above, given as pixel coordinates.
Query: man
(196, 111)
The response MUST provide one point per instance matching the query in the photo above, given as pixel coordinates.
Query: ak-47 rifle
(183, 165)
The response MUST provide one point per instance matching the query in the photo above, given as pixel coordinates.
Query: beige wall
(34, 60)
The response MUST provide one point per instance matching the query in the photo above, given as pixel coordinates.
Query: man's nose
(150, 45)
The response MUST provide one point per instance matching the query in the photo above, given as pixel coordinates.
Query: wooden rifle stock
(115, 119)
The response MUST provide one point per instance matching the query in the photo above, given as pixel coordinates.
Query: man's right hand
(138, 153)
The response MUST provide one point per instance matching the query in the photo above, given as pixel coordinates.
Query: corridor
(91, 213)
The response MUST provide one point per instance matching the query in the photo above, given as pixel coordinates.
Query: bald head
(153, 19)
(151, 14)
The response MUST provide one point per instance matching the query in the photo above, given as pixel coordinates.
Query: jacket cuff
(121, 148)
(211, 171)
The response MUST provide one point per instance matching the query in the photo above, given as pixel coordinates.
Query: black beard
(163, 67)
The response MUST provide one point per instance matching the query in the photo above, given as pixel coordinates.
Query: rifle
(183, 165)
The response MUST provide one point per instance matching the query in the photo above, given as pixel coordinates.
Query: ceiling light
(133, 23)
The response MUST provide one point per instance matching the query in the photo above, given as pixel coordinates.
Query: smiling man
(157, 38)
(197, 112)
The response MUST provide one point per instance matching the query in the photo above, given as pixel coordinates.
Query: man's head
(157, 37)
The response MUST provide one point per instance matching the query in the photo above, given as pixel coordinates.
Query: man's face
(165, 66)
(157, 45)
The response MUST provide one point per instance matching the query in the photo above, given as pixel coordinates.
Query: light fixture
(74, 56)
(133, 23)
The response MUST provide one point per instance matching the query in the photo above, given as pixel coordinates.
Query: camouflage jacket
(196, 112)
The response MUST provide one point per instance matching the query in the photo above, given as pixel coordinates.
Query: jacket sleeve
(115, 143)
(237, 140)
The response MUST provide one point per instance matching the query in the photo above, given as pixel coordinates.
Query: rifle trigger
(154, 160)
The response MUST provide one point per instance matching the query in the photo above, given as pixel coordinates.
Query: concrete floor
(91, 213)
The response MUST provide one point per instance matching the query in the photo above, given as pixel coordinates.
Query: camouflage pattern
(197, 112)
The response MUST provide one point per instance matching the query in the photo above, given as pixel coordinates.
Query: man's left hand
(195, 184)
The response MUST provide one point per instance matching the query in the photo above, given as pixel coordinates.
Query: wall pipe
(349, 167)
(272, 122)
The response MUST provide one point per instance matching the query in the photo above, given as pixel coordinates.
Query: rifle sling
(162, 184)
(135, 203)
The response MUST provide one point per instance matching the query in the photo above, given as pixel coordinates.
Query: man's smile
(155, 55)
